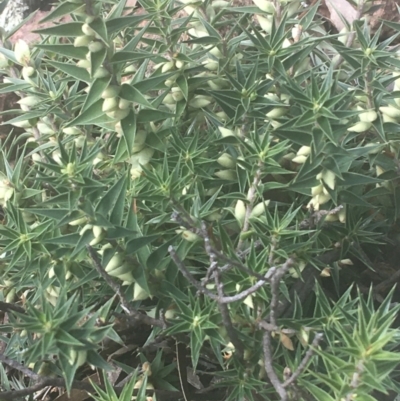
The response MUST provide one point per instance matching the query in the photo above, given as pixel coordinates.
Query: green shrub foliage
(188, 192)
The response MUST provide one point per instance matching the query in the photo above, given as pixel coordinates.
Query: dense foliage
(189, 190)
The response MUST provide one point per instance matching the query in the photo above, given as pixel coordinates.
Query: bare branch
(185, 220)
(16, 365)
(275, 281)
(183, 269)
(355, 380)
(303, 364)
(14, 394)
(226, 318)
(117, 289)
(225, 299)
(269, 368)
(8, 307)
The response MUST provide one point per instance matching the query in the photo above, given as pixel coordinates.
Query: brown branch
(355, 380)
(189, 277)
(303, 364)
(190, 225)
(275, 281)
(269, 368)
(224, 299)
(8, 307)
(45, 381)
(18, 366)
(165, 395)
(226, 318)
(132, 312)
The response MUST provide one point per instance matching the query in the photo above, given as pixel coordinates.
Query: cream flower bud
(222, 116)
(124, 104)
(368, 116)
(331, 218)
(177, 93)
(259, 209)
(95, 46)
(143, 157)
(342, 216)
(240, 212)
(344, 34)
(87, 30)
(216, 52)
(277, 112)
(110, 104)
(179, 64)
(299, 159)
(323, 198)
(296, 32)
(347, 262)
(390, 111)
(229, 175)
(3, 61)
(83, 64)
(265, 23)
(199, 102)
(169, 99)
(29, 101)
(317, 190)
(304, 151)
(226, 132)
(140, 139)
(82, 41)
(101, 72)
(22, 52)
(27, 73)
(379, 170)
(265, 6)
(211, 65)
(167, 66)
(227, 161)
(136, 172)
(387, 119)
(329, 178)
(115, 262)
(98, 239)
(361, 126)
(44, 129)
(71, 131)
(139, 293)
(111, 91)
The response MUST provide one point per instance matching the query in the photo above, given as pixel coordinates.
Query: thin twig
(200, 286)
(45, 381)
(8, 307)
(226, 318)
(117, 289)
(269, 368)
(188, 223)
(185, 272)
(355, 380)
(18, 366)
(303, 364)
(275, 281)
(223, 308)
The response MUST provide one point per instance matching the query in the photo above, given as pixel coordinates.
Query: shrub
(189, 193)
